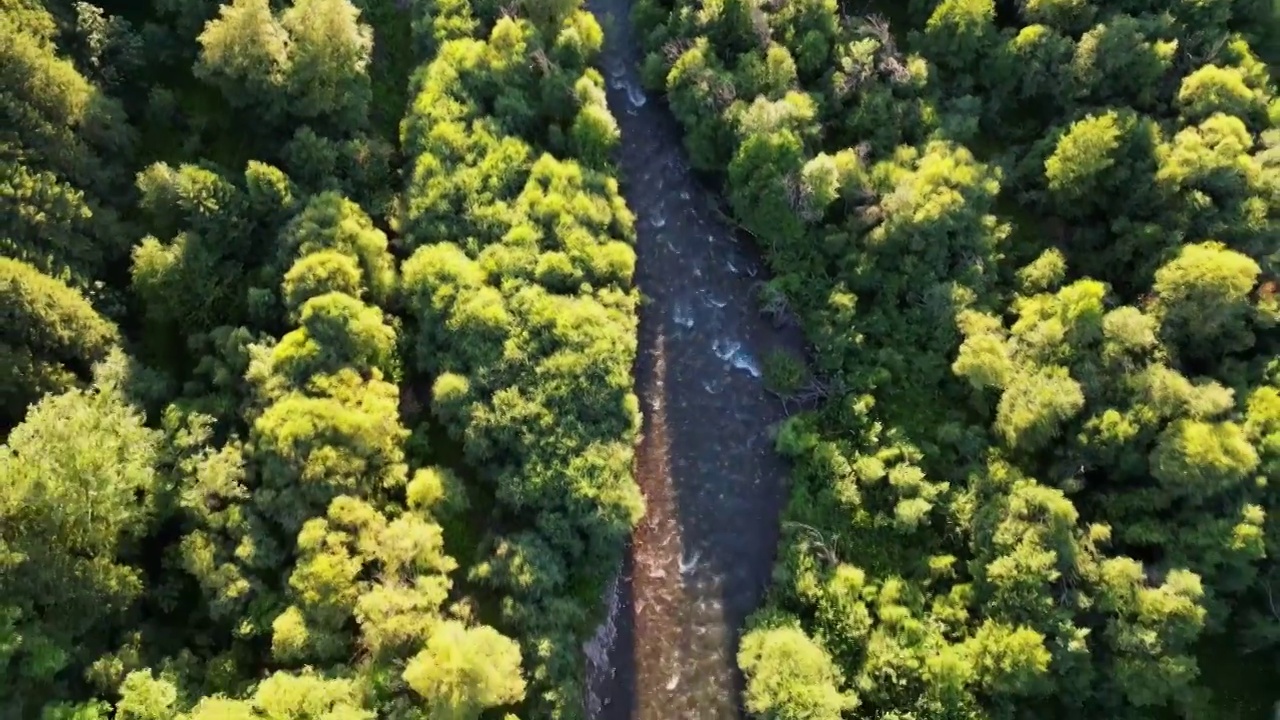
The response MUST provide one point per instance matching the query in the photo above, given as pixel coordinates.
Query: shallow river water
(702, 556)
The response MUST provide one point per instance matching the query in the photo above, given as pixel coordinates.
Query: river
(701, 558)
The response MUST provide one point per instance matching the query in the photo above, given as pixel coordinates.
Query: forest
(318, 325)
(318, 321)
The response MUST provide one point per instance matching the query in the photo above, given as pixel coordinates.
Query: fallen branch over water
(804, 398)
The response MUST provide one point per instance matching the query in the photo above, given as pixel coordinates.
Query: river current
(701, 558)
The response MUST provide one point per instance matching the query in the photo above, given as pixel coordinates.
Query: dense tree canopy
(247, 470)
(81, 485)
(520, 289)
(63, 154)
(52, 337)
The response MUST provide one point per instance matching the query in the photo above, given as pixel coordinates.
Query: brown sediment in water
(680, 667)
(656, 587)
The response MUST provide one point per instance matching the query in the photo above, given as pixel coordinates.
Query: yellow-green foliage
(51, 336)
(520, 287)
